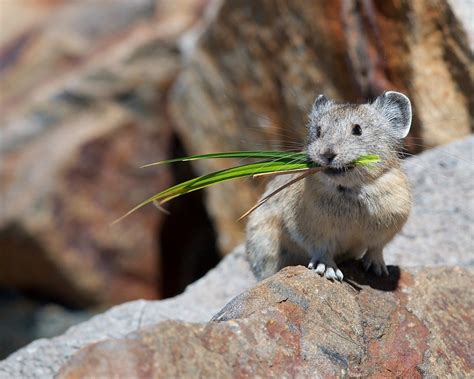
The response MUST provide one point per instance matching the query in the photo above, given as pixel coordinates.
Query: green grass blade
(271, 154)
(227, 174)
(213, 178)
(281, 162)
(281, 155)
(366, 159)
(237, 172)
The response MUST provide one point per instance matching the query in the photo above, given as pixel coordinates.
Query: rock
(55, 229)
(297, 324)
(71, 152)
(65, 184)
(440, 230)
(462, 10)
(200, 301)
(46, 38)
(23, 320)
(260, 64)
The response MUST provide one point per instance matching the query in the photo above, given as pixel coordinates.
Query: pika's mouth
(341, 170)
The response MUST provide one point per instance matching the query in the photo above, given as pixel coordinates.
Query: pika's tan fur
(335, 215)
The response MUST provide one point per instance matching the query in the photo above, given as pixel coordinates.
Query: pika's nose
(329, 155)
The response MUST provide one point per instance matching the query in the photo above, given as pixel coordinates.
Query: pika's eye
(318, 132)
(356, 130)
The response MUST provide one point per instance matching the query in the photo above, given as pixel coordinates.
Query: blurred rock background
(91, 90)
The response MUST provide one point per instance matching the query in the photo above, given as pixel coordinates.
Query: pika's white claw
(330, 274)
(321, 268)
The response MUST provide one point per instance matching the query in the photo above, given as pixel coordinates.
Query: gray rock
(24, 319)
(440, 229)
(441, 223)
(464, 12)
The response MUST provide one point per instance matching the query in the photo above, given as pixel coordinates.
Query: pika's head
(340, 133)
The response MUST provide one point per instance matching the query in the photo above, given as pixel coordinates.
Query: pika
(343, 211)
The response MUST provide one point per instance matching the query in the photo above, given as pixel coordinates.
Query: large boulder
(297, 324)
(72, 148)
(43, 39)
(260, 64)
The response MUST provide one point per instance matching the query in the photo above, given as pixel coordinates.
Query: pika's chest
(335, 214)
(340, 205)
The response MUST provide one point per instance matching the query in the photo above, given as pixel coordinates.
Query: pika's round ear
(320, 103)
(396, 108)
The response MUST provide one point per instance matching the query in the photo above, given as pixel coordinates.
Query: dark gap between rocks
(36, 299)
(187, 238)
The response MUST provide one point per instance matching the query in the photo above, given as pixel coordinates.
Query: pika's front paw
(332, 273)
(375, 263)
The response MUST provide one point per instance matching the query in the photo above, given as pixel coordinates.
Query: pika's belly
(343, 233)
(341, 239)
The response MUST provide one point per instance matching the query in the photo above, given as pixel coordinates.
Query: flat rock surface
(296, 324)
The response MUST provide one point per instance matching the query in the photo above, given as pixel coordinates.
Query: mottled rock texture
(260, 64)
(297, 324)
(72, 147)
(43, 39)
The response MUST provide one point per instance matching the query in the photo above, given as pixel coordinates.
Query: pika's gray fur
(344, 211)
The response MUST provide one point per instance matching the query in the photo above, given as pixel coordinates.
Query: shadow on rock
(356, 276)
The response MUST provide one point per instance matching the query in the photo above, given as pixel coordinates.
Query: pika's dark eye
(318, 131)
(356, 130)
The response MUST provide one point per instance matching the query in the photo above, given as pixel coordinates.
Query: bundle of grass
(274, 163)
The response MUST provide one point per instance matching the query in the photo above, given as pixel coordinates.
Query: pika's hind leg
(373, 260)
(264, 248)
(323, 263)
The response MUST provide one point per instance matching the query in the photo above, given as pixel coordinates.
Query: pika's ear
(396, 108)
(320, 103)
